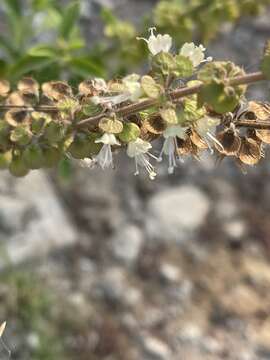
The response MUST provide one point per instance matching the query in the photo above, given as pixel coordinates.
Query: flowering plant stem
(145, 104)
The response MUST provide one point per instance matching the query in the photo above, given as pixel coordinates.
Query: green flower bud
(17, 166)
(80, 147)
(21, 135)
(54, 132)
(5, 159)
(33, 156)
(51, 156)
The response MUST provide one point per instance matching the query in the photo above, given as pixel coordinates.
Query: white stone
(170, 273)
(176, 214)
(32, 220)
(156, 348)
(127, 243)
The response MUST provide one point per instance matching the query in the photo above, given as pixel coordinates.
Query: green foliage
(63, 48)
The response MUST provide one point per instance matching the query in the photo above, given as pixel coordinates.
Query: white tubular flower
(133, 86)
(104, 157)
(110, 101)
(139, 150)
(158, 43)
(204, 128)
(194, 53)
(169, 147)
(100, 84)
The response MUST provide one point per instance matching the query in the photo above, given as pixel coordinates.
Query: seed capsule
(16, 117)
(230, 141)
(250, 151)
(155, 124)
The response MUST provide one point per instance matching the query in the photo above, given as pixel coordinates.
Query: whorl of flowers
(191, 102)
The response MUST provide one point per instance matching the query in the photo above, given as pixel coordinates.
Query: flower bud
(33, 156)
(17, 166)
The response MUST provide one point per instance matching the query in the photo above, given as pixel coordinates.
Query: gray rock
(176, 214)
(114, 287)
(32, 220)
(127, 243)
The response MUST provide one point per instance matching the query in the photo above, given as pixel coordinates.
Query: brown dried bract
(198, 140)
(16, 117)
(56, 90)
(4, 88)
(28, 85)
(250, 151)
(155, 124)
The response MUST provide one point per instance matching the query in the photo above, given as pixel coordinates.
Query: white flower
(169, 147)
(133, 86)
(139, 150)
(158, 43)
(100, 84)
(204, 128)
(104, 157)
(194, 53)
(110, 101)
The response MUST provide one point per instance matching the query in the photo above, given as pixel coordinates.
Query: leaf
(13, 6)
(28, 64)
(150, 87)
(85, 67)
(43, 50)
(70, 17)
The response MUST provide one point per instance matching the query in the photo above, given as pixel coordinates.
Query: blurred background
(104, 265)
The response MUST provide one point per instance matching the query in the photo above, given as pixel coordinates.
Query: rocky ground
(111, 266)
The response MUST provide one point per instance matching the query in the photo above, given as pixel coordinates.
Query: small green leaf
(150, 87)
(85, 67)
(130, 132)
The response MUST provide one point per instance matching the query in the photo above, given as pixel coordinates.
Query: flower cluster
(206, 112)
